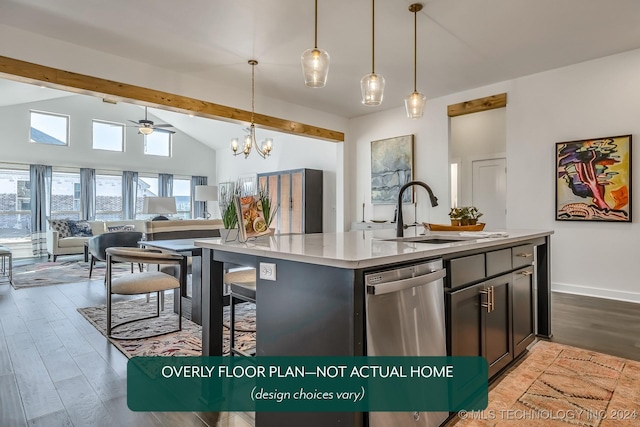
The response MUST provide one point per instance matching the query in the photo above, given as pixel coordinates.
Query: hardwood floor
(56, 369)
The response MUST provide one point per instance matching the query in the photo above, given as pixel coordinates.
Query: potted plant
(229, 215)
(473, 215)
(455, 214)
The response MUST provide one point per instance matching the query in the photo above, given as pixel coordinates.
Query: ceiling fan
(146, 126)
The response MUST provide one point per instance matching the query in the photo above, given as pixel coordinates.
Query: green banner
(307, 384)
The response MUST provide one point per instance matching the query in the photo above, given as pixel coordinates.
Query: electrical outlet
(267, 271)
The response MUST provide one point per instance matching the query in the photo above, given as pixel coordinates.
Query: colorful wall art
(593, 181)
(391, 168)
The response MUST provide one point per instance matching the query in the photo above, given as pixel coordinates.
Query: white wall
(588, 100)
(289, 152)
(189, 157)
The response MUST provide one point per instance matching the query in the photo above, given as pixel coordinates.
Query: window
(15, 205)
(158, 143)
(182, 193)
(49, 128)
(108, 197)
(65, 195)
(147, 187)
(108, 136)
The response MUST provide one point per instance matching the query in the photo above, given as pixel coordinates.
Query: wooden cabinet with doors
(490, 305)
(298, 195)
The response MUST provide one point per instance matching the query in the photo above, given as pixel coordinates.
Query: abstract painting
(593, 179)
(391, 168)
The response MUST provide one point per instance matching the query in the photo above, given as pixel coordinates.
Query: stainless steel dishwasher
(405, 317)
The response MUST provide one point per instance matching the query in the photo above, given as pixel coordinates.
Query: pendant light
(315, 62)
(372, 85)
(414, 103)
(264, 150)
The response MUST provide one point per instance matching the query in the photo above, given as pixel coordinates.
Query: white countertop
(359, 249)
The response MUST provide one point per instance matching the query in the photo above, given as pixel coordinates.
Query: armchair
(99, 244)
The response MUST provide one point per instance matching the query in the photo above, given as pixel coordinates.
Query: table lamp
(206, 193)
(159, 206)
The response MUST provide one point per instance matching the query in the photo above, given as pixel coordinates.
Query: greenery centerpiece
(466, 215)
(229, 214)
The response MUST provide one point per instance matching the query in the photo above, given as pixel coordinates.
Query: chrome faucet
(400, 223)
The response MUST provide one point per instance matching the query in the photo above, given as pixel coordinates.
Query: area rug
(60, 272)
(187, 342)
(561, 386)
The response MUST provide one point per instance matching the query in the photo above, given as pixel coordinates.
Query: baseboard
(596, 292)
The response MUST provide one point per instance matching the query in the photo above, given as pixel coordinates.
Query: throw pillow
(79, 228)
(121, 228)
(61, 226)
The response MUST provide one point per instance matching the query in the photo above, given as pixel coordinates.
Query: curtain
(129, 194)
(198, 207)
(165, 185)
(40, 184)
(88, 194)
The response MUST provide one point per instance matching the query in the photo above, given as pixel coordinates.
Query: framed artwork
(593, 179)
(391, 168)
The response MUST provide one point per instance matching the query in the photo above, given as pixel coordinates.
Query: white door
(490, 191)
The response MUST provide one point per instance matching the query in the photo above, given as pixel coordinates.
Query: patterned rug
(561, 386)
(187, 342)
(60, 272)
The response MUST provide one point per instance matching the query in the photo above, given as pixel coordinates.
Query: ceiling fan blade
(163, 125)
(132, 121)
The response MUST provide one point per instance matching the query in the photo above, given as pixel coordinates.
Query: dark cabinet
(523, 309)
(490, 305)
(480, 322)
(298, 195)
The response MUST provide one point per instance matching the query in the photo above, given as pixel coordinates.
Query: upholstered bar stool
(242, 287)
(7, 263)
(144, 282)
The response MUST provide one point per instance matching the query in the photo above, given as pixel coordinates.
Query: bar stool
(242, 286)
(6, 270)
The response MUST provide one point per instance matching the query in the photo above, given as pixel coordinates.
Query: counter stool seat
(6, 268)
(242, 286)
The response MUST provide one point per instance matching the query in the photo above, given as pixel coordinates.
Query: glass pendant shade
(372, 86)
(315, 67)
(414, 104)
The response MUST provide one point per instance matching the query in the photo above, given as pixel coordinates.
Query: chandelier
(264, 149)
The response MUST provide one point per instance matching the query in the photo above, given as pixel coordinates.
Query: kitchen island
(316, 304)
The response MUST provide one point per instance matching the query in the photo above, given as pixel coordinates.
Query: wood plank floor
(58, 370)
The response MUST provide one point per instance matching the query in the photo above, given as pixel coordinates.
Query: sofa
(67, 237)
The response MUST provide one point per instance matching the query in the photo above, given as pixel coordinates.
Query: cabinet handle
(525, 255)
(526, 273)
(489, 304)
(493, 300)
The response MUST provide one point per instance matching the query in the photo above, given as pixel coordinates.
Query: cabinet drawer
(466, 270)
(522, 255)
(498, 261)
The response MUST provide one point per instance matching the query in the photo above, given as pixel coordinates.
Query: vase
(455, 222)
(228, 234)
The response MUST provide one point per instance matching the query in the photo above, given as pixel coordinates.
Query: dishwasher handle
(399, 285)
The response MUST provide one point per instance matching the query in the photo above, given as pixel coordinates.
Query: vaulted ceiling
(462, 44)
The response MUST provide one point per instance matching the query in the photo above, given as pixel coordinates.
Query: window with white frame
(15, 205)
(147, 187)
(65, 195)
(158, 143)
(182, 193)
(49, 128)
(108, 197)
(108, 136)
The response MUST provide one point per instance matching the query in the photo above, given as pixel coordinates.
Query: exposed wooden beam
(475, 105)
(83, 84)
